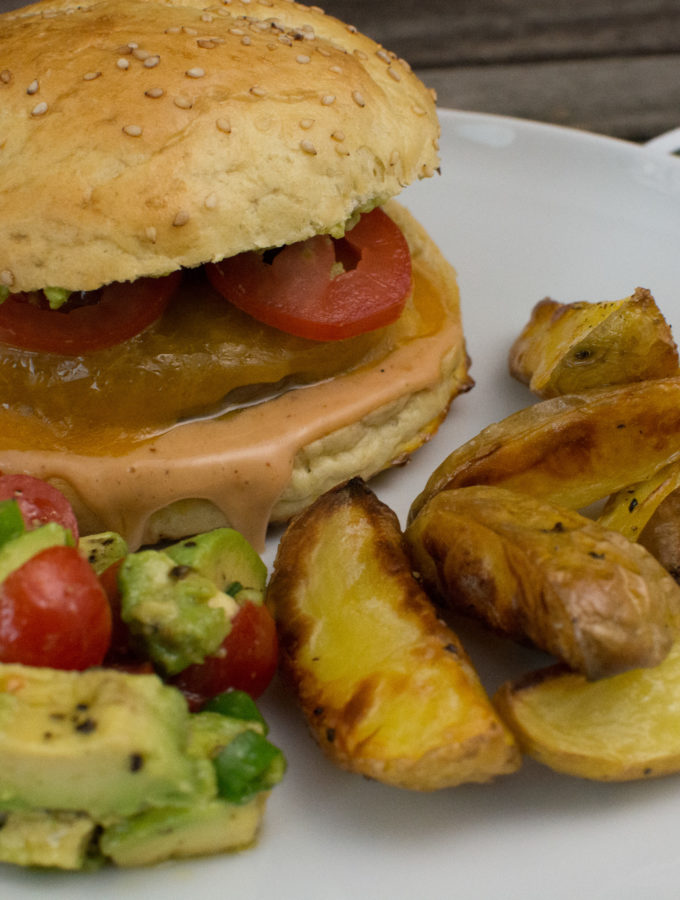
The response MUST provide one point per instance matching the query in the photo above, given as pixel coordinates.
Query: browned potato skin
(386, 688)
(571, 347)
(534, 571)
(616, 729)
(571, 450)
(661, 535)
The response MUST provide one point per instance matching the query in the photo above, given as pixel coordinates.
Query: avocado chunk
(209, 826)
(18, 550)
(178, 615)
(103, 549)
(160, 834)
(102, 742)
(63, 840)
(224, 556)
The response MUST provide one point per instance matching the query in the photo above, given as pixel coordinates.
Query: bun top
(138, 136)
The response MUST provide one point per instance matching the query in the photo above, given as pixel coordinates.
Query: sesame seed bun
(140, 136)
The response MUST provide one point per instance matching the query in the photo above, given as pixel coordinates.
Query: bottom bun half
(266, 462)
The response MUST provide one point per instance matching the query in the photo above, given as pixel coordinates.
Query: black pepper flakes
(86, 726)
(135, 762)
(180, 572)
(633, 503)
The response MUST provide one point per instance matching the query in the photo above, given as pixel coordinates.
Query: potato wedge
(572, 450)
(386, 688)
(534, 571)
(661, 534)
(571, 347)
(630, 510)
(616, 729)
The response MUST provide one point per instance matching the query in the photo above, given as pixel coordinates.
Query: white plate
(523, 210)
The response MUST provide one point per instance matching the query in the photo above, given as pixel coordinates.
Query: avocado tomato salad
(129, 732)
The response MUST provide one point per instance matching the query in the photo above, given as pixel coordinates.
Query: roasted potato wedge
(631, 509)
(616, 729)
(572, 450)
(661, 534)
(386, 688)
(568, 348)
(534, 571)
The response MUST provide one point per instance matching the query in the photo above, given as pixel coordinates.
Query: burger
(212, 308)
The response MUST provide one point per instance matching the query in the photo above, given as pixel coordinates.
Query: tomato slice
(247, 662)
(54, 612)
(89, 321)
(298, 293)
(39, 502)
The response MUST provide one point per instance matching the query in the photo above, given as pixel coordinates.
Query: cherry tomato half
(109, 316)
(39, 502)
(296, 292)
(54, 612)
(247, 661)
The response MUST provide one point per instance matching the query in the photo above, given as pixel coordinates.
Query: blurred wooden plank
(629, 98)
(458, 32)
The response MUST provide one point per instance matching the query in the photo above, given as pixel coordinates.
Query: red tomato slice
(39, 502)
(118, 312)
(54, 612)
(297, 294)
(248, 661)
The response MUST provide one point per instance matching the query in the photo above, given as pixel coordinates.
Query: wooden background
(610, 66)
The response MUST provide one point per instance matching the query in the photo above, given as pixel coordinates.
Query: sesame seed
(360, 54)
(308, 147)
(306, 123)
(123, 63)
(124, 49)
(207, 17)
(258, 91)
(7, 278)
(181, 218)
(239, 32)
(338, 136)
(183, 102)
(336, 69)
(151, 62)
(174, 29)
(418, 109)
(151, 234)
(132, 130)
(351, 29)
(323, 52)
(206, 43)
(195, 72)
(383, 55)
(154, 93)
(132, 45)
(285, 39)
(246, 41)
(90, 76)
(188, 30)
(392, 72)
(358, 98)
(328, 99)
(33, 87)
(140, 54)
(302, 59)
(5, 76)
(224, 125)
(40, 109)
(210, 201)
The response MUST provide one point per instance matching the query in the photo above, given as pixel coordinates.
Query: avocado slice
(64, 840)
(178, 615)
(208, 826)
(102, 742)
(224, 556)
(103, 549)
(18, 550)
